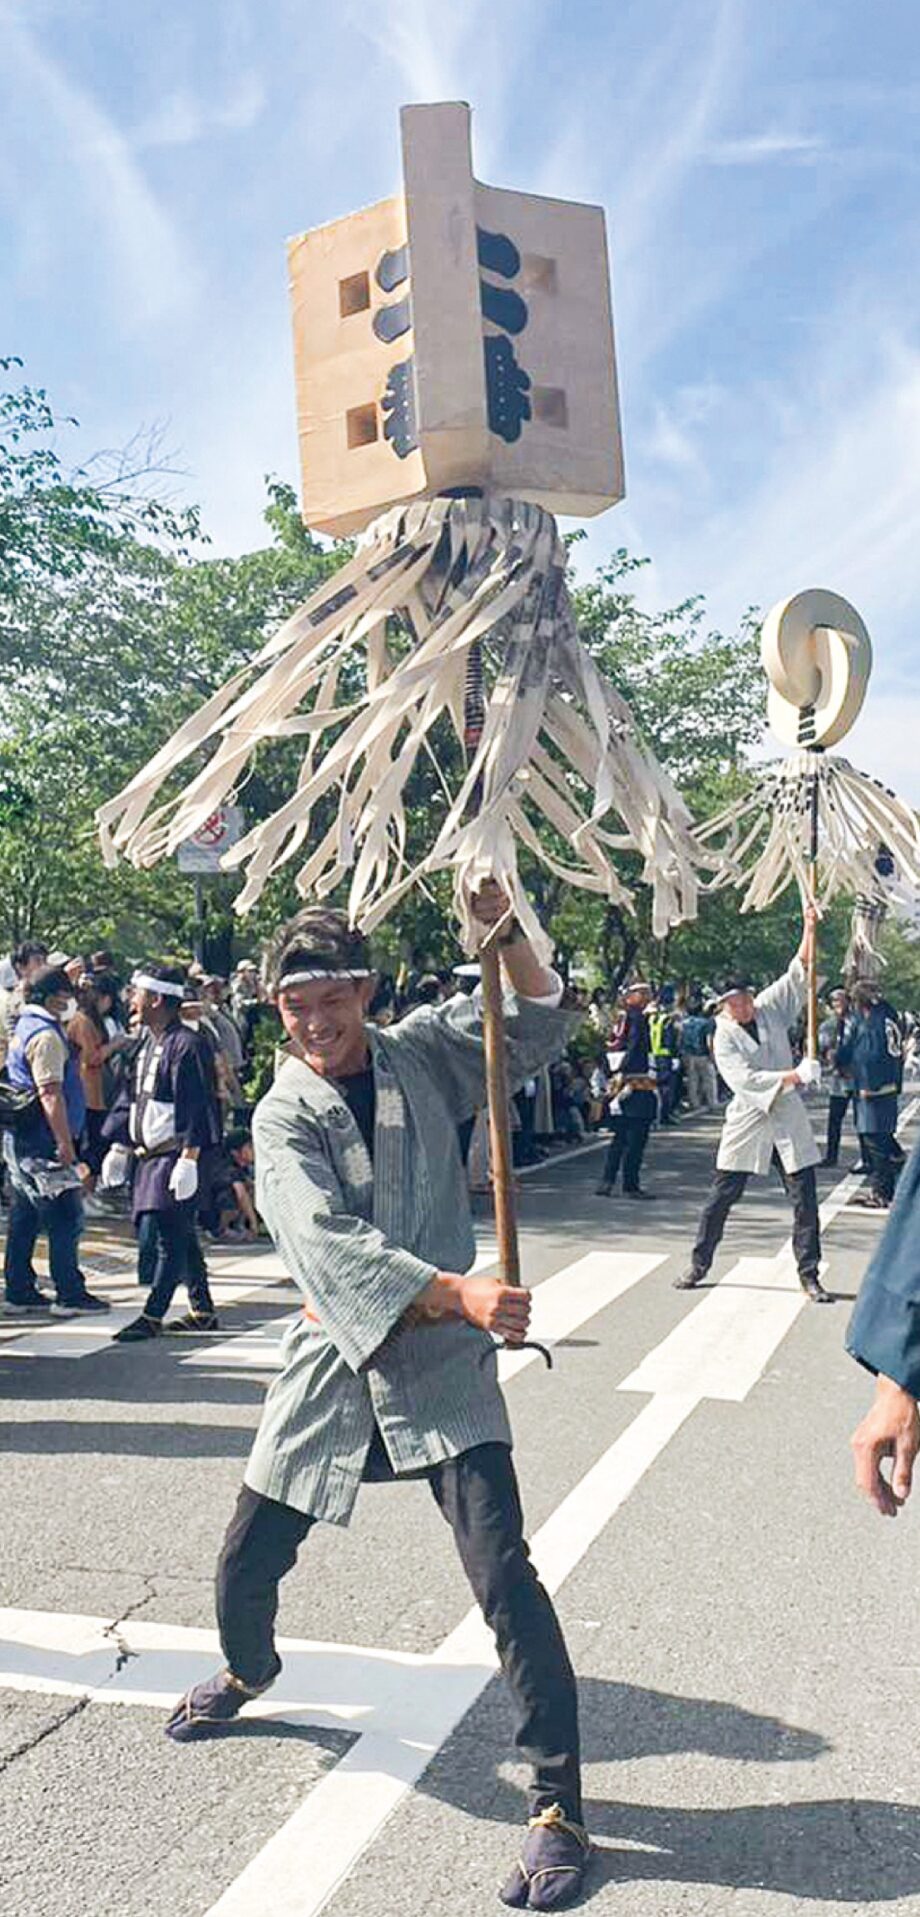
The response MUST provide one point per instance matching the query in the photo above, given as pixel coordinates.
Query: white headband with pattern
(166, 987)
(325, 971)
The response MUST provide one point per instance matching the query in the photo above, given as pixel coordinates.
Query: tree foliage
(115, 623)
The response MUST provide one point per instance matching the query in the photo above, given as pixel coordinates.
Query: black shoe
(550, 1872)
(192, 1322)
(827, 1164)
(138, 1331)
(209, 1708)
(688, 1280)
(37, 1306)
(87, 1304)
(859, 1170)
(650, 1197)
(603, 1191)
(814, 1289)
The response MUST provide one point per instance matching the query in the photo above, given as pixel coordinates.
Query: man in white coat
(766, 1122)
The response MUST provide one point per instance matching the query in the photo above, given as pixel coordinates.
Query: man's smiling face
(324, 1020)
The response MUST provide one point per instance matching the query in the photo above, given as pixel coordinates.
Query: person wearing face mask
(42, 1156)
(165, 1119)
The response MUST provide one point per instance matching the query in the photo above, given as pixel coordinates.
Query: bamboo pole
(498, 1104)
(499, 1110)
(813, 884)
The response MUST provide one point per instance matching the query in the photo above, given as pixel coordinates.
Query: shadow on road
(838, 1850)
(859, 1851)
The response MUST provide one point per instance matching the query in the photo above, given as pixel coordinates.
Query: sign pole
(200, 928)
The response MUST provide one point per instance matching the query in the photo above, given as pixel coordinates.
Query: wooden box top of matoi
(457, 335)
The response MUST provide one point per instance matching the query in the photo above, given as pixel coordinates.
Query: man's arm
(448, 1040)
(760, 1088)
(359, 1285)
(51, 1097)
(787, 994)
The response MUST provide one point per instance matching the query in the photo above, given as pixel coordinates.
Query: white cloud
(182, 117)
(149, 275)
(756, 147)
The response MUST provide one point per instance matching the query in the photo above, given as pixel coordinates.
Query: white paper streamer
(558, 742)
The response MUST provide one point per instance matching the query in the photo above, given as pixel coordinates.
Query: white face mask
(69, 1012)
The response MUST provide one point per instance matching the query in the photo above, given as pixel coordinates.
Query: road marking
(233, 1277)
(300, 1868)
(560, 1304)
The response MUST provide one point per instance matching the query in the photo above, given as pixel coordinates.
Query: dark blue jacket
(884, 1331)
(871, 1053)
(37, 1139)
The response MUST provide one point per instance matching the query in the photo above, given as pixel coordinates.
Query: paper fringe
(765, 837)
(558, 741)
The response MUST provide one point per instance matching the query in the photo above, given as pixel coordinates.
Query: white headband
(166, 987)
(304, 978)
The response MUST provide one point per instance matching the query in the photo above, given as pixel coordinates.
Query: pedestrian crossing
(236, 1274)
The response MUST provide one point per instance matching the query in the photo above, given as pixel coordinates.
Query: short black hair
(51, 982)
(29, 949)
(237, 1138)
(318, 936)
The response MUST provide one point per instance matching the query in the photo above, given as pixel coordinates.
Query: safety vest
(657, 1026)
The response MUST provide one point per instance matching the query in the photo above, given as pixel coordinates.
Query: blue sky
(760, 167)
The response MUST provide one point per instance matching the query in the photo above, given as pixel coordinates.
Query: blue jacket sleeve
(884, 1331)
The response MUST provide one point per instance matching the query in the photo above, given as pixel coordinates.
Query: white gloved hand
(183, 1180)
(808, 1073)
(114, 1169)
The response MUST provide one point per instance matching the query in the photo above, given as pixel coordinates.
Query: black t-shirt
(360, 1095)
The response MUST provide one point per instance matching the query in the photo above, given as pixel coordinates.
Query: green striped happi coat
(362, 1241)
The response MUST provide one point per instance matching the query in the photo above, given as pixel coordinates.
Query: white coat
(761, 1116)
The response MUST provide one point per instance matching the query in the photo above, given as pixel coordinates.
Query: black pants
(478, 1495)
(836, 1113)
(629, 1137)
(726, 1189)
(883, 1156)
(169, 1255)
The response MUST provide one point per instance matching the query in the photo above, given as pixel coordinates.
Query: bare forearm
(55, 1110)
(526, 973)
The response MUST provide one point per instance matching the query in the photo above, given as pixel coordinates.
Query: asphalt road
(746, 1634)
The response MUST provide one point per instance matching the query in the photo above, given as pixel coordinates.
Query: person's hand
(83, 1172)
(503, 1310)
(490, 903)
(808, 1073)
(183, 1181)
(890, 1430)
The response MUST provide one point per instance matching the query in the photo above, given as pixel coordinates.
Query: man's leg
(724, 1192)
(478, 1495)
(161, 1266)
(196, 1272)
(63, 1221)
(802, 1188)
(613, 1155)
(881, 1162)
(694, 1074)
(22, 1292)
(836, 1112)
(637, 1135)
(260, 1546)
